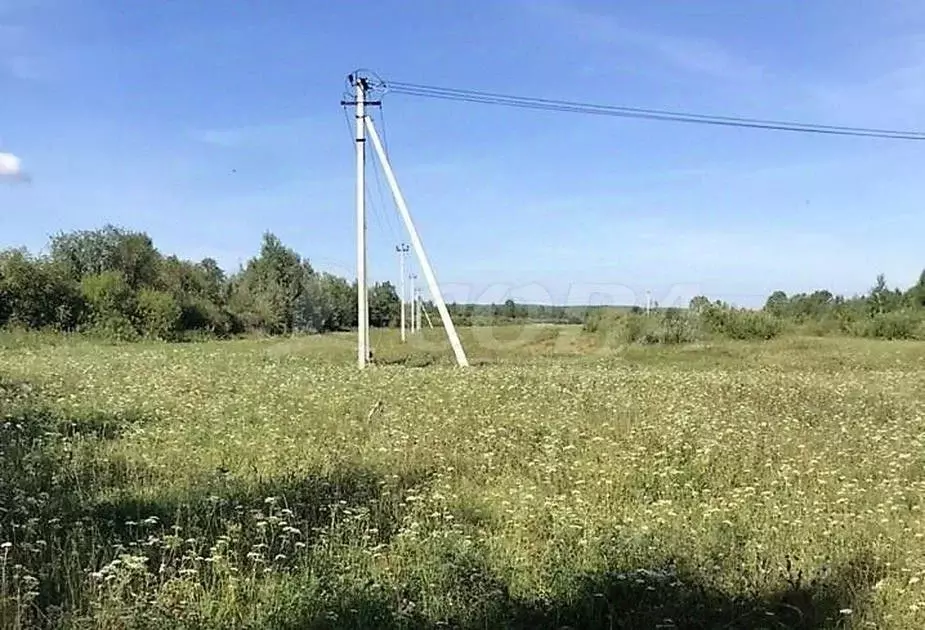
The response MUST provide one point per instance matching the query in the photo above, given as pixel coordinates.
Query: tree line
(115, 282)
(510, 312)
(882, 312)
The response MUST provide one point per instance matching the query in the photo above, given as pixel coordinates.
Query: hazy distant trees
(884, 312)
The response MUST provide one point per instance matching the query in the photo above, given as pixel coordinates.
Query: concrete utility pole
(414, 304)
(423, 310)
(402, 252)
(420, 303)
(364, 125)
(361, 88)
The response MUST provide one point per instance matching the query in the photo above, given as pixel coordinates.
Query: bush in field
(896, 325)
(619, 326)
(674, 326)
(677, 326)
(633, 328)
(725, 321)
(35, 293)
(822, 327)
(158, 314)
(199, 315)
(113, 304)
(595, 320)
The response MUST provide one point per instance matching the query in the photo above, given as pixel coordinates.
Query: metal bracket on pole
(418, 247)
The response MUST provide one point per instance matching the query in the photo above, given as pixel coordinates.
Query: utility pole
(423, 310)
(648, 301)
(402, 252)
(361, 87)
(420, 303)
(414, 304)
(362, 304)
(365, 127)
(432, 285)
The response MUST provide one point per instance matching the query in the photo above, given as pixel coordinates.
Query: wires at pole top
(619, 111)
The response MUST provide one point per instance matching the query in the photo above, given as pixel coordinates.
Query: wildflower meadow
(554, 484)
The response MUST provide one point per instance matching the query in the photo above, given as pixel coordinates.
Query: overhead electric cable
(380, 214)
(491, 98)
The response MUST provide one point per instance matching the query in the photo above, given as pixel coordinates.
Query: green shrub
(35, 293)
(905, 324)
(740, 324)
(633, 328)
(112, 305)
(673, 327)
(597, 320)
(203, 316)
(158, 314)
(678, 327)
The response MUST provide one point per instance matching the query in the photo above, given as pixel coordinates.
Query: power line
(554, 105)
(386, 214)
(381, 214)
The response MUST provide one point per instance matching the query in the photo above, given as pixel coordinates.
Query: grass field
(562, 482)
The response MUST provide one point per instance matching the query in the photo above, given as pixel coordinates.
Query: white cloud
(218, 137)
(11, 34)
(11, 167)
(16, 59)
(8, 7)
(878, 81)
(25, 67)
(890, 92)
(689, 54)
(253, 135)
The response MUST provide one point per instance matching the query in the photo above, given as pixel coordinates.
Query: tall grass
(268, 484)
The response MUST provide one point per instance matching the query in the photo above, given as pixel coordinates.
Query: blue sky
(206, 123)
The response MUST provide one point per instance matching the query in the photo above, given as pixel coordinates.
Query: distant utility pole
(648, 301)
(421, 309)
(420, 303)
(414, 304)
(402, 252)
